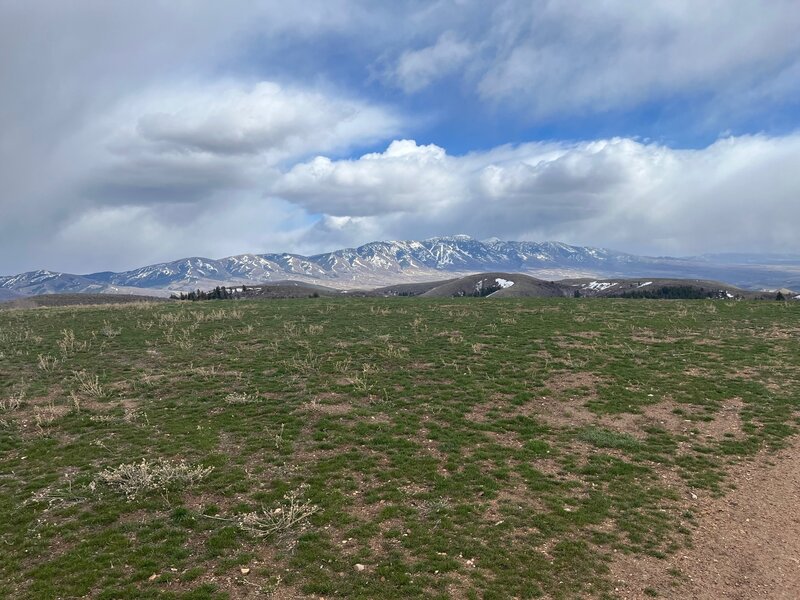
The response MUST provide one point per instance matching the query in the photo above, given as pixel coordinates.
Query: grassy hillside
(662, 289)
(497, 285)
(286, 289)
(51, 300)
(374, 448)
(409, 289)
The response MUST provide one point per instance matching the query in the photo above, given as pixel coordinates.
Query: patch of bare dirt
(107, 405)
(779, 332)
(571, 412)
(517, 495)
(228, 444)
(589, 335)
(752, 373)
(748, 373)
(431, 448)
(746, 545)
(573, 344)
(566, 410)
(661, 415)
(698, 372)
(328, 403)
(648, 336)
(421, 366)
(380, 419)
(507, 439)
(726, 422)
(571, 380)
(479, 412)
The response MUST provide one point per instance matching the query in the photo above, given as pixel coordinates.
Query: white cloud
(406, 177)
(199, 149)
(69, 150)
(567, 57)
(190, 143)
(120, 237)
(416, 69)
(145, 128)
(236, 119)
(570, 56)
(736, 193)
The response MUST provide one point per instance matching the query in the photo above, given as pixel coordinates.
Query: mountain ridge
(381, 263)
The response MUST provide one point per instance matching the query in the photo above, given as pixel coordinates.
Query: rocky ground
(746, 546)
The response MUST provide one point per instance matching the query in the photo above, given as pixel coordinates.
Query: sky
(134, 132)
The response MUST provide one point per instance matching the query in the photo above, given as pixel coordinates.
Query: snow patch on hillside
(599, 286)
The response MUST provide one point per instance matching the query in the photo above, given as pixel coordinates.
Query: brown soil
(328, 403)
(746, 544)
(725, 422)
(570, 380)
(479, 412)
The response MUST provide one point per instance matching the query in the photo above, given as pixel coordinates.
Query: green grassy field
(374, 448)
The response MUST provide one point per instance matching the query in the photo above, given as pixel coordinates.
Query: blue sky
(135, 132)
(452, 114)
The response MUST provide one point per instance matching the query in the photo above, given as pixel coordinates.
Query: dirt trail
(746, 545)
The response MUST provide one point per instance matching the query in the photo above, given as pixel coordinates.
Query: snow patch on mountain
(379, 263)
(599, 286)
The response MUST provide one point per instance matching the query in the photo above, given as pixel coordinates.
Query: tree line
(218, 293)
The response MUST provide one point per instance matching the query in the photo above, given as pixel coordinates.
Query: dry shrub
(89, 385)
(240, 398)
(162, 476)
(68, 344)
(292, 512)
(47, 363)
(109, 331)
(13, 402)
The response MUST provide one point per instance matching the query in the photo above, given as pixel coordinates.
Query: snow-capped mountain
(376, 263)
(385, 263)
(49, 282)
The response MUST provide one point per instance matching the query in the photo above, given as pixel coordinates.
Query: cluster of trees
(675, 292)
(480, 292)
(223, 293)
(487, 290)
(218, 293)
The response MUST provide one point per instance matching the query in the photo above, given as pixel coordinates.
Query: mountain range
(391, 262)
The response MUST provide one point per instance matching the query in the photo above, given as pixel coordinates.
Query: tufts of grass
(417, 438)
(606, 438)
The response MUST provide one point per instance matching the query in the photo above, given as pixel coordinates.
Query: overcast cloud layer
(134, 132)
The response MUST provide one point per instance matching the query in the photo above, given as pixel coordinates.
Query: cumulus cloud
(406, 177)
(736, 193)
